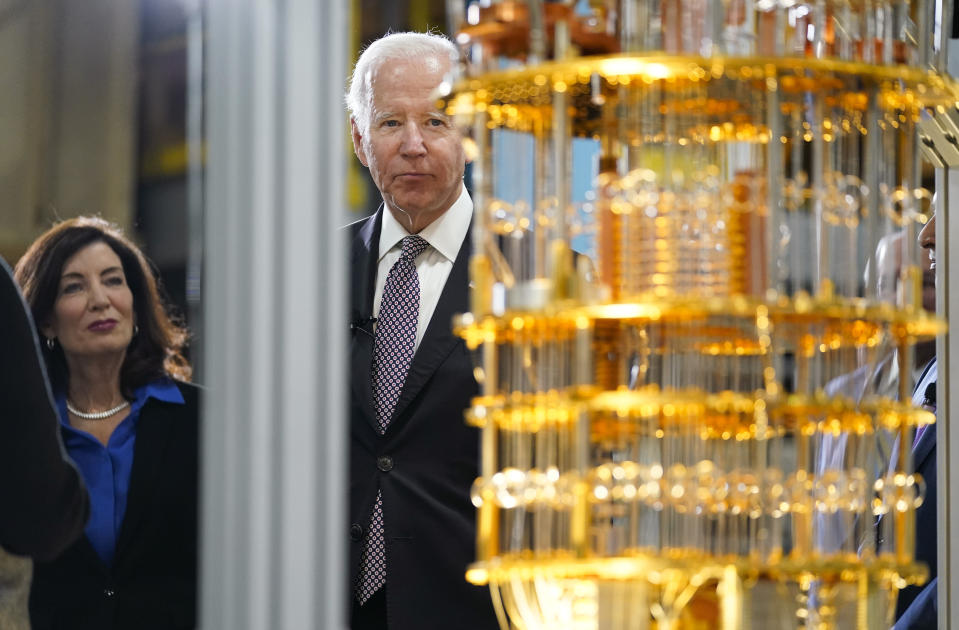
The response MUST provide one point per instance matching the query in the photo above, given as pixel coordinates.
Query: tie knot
(413, 246)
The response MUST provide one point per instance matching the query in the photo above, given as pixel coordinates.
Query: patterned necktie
(393, 345)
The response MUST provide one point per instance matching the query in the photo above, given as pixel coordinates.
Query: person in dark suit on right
(917, 606)
(412, 457)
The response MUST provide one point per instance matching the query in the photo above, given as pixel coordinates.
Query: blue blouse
(106, 469)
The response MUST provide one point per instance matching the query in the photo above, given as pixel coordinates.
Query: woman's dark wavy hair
(155, 351)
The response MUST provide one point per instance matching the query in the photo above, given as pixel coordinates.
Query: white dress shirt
(445, 236)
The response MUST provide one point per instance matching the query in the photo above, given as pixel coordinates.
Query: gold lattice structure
(663, 441)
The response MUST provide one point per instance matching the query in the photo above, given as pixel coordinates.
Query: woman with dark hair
(129, 420)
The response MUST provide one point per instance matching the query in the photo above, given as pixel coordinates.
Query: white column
(947, 359)
(947, 434)
(274, 455)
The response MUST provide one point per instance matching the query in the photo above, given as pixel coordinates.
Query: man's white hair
(390, 47)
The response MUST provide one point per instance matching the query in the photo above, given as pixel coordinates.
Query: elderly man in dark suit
(412, 458)
(43, 504)
(917, 607)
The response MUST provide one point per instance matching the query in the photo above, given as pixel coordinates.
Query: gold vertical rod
(487, 526)
(481, 297)
(579, 527)
(731, 594)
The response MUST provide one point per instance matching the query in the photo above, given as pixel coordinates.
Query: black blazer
(43, 504)
(424, 464)
(917, 606)
(152, 583)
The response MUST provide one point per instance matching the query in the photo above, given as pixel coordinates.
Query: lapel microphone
(361, 325)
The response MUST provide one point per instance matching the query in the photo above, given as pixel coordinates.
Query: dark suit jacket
(43, 504)
(152, 583)
(917, 607)
(432, 458)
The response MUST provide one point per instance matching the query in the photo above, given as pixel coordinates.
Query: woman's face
(93, 313)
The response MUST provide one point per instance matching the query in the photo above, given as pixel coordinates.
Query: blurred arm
(43, 504)
(923, 612)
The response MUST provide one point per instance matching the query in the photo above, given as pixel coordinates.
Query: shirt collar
(162, 389)
(445, 234)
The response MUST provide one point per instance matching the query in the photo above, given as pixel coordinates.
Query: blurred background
(101, 112)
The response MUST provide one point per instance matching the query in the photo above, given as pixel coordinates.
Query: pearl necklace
(97, 415)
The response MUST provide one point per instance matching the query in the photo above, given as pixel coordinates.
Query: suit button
(109, 592)
(356, 531)
(384, 463)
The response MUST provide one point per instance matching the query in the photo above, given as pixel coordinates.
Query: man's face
(414, 153)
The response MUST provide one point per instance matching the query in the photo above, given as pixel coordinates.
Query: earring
(50, 343)
(136, 330)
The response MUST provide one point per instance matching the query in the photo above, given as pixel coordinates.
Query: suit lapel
(927, 441)
(87, 556)
(924, 448)
(153, 434)
(365, 248)
(438, 341)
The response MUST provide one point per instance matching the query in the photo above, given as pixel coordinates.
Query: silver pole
(195, 175)
(947, 440)
(274, 463)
